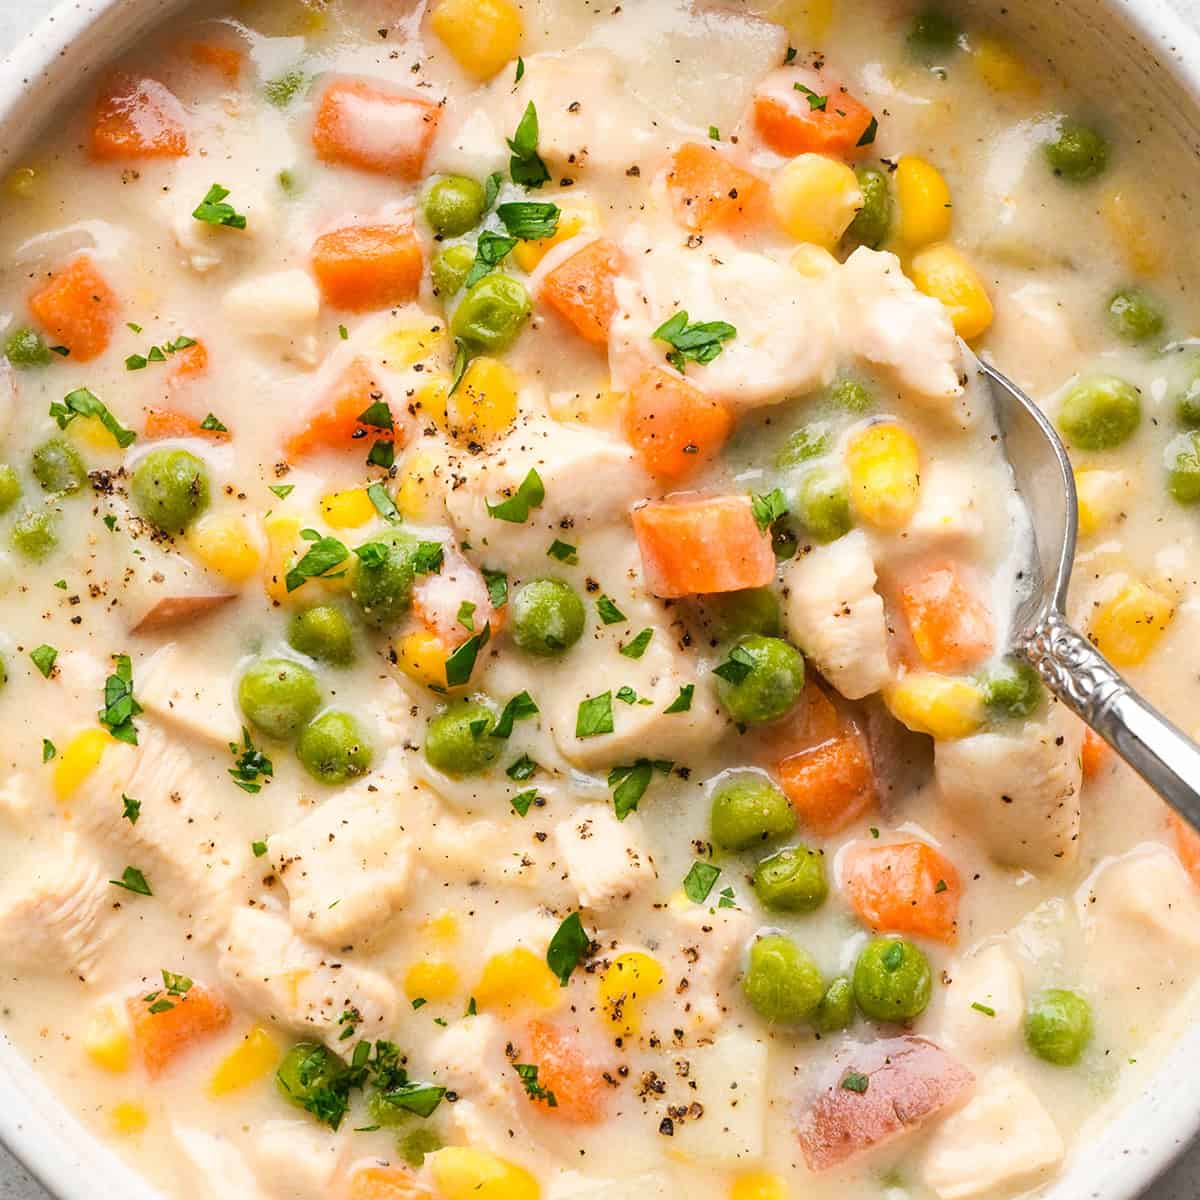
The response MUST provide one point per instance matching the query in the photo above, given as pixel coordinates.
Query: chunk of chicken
(836, 617)
(280, 309)
(1018, 791)
(1001, 1140)
(1033, 338)
(51, 916)
(983, 1003)
(298, 1160)
(949, 512)
(707, 945)
(301, 986)
(179, 686)
(210, 1165)
(606, 859)
(169, 612)
(346, 865)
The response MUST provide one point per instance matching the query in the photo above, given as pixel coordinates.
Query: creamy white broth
(1060, 909)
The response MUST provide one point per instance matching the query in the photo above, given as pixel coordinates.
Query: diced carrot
(170, 423)
(580, 290)
(136, 117)
(374, 1182)
(950, 627)
(1095, 754)
(791, 125)
(363, 126)
(334, 425)
(162, 1036)
(225, 60)
(697, 546)
(190, 361)
(811, 722)
(77, 308)
(709, 192)
(673, 425)
(831, 784)
(564, 1069)
(908, 887)
(1187, 844)
(364, 267)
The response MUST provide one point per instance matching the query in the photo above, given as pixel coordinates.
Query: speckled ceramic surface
(45, 63)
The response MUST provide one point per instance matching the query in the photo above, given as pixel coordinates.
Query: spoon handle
(1079, 675)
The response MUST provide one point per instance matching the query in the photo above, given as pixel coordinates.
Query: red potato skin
(171, 611)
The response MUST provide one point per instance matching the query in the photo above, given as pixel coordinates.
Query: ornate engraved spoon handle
(1079, 675)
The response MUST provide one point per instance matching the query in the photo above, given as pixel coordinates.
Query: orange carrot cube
(830, 784)
(224, 60)
(364, 267)
(950, 627)
(790, 125)
(374, 1182)
(362, 126)
(137, 117)
(908, 887)
(335, 424)
(565, 1070)
(162, 1035)
(1095, 754)
(674, 426)
(580, 290)
(709, 192)
(169, 423)
(1187, 844)
(77, 308)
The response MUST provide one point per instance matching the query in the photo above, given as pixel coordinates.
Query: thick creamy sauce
(406, 900)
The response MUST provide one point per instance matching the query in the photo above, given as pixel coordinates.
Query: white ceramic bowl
(1123, 48)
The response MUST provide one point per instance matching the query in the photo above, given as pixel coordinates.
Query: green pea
(764, 679)
(1133, 316)
(1182, 458)
(1058, 1027)
(491, 314)
(892, 980)
(1078, 152)
(836, 1010)
(333, 749)
(10, 487)
(785, 541)
(1012, 688)
(323, 633)
(278, 696)
(1187, 399)
(823, 504)
(782, 983)
(58, 467)
(34, 533)
(453, 205)
(851, 395)
(308, 1071)
(169, 488)
(873, 222)
(808, 442)
(547, 617)
(458, 741)
(450, 267)
(27, 348)
(748, 810)
(753, 610)
(1100, 413)
(932, 33)
(792, 880)
(417, 1143)
(383, 582)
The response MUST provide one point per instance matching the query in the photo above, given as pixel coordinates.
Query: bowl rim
(48, 62)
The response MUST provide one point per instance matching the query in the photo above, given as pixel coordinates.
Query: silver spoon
(1072, 668)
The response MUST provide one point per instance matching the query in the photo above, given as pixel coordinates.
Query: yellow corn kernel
(254, 1058)
(128, 1118)
(1102, 495)
(431, 979)
(884, 466)
(107, 1041)
(418, 488)
(430, 402)
(945, 273)
(422, 657)
(630, 980)
(90, 433)
(574, 217)
(758, 1185)
(411, 344)
(924, 200)
(820, 17)
(224, 544)
(482, 35)
(1002, 69)
(485, 405)
(815, 199)
(79, 759)
(599, 409)
(516, 979)
(1127, 627)
(444, 927)
(283, 533)
(813, 262)
(462, 1173)
(1139, 244)
(347, 510)
(938, 705)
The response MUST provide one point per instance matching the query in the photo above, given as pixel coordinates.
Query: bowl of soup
(505, 577)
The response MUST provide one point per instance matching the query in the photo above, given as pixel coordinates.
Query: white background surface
(1183, 1183)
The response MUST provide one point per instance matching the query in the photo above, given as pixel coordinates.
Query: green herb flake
(520, 770)
(49, 750)
(213, 210)
(629, 785)
(462, 360)
(523, 801)
(283, 89)
(815, 103)
(383, 503)
(322, 556)
(466, 616)
(44, 658)
(790, 56)
(497, 587)
(637, 647)
(83, 403)
(768, 508)
(528, 496)
(520, 70)
(698, 343)
(491, 189)
(610, 614)
(251, 768)
(714, 134)
(699, 880)
(428, 559)
(569, 945)
(594, 716)
(120, 707)
(736, 667)
(461, 663)
(683, 702)
(519, 708)
(529, 220)
(869, 133)
(258, 849)
(893, 957)
(727, 899)
(132, 880)
(627, 695)
(343, 333)
(853, 1081)
(419, 1002)
(131, 809)
(282, 490)
(490, 251)
(986, 1009)
(941, 886)
(525, 166)
(528, 1073)
(564, 552)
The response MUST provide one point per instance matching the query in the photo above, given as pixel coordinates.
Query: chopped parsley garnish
(419, 1002)
(282, 490)
(83, 403)
(343, 333)
(110, 522)
(131, 808)
(986, 1009)
(815, 103)
(563, 551)
(519, 708)
(869, 133)
(250, 765)
(497, 586)
(893, 957)
(627, 695)
(410, 1096)
(282, 90)
(853, 1081)
(790, 56)
(516, 509)
(49, 750)
(520, 770)
(490, 251)
(466, 616)
(698, 343)
(629, 784)
(462, 360)
(158, 354)
(594, 716)
(682, 702)
(698, 882)
(176, 985)
(213, 425)
(213, 210)
(520, 70)
(428, 558)
(119, 705)
(568, 946)
(529, 220)
(461, 663)
(637, 647)
(523, 801)
(44, 658)
(323, 555)
(378, 415)
(714, 134)
(736, 667)
(132, 880)
(769, 508)
(941, 886)
(258, 849)
(383, 503)
(610, 614)
(534, 1090)
(726, 900)
(526, 166)
(491, 189)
